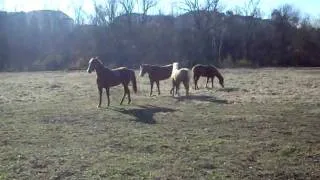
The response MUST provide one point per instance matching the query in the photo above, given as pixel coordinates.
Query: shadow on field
(145, 114)
(228, 89)
(202, 98)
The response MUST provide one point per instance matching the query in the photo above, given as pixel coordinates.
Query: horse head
(175, 66)
(221, 81)
(94, 63)
(218, 74)
(143, 70)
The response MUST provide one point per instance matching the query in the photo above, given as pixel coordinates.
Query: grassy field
(265, 124)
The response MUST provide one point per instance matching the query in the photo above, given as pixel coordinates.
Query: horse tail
(190, 74)
(192, 69)
(134, 81)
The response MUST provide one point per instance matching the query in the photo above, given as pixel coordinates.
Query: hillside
(49, 40)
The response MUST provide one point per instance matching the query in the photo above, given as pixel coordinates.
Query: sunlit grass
(263, 125)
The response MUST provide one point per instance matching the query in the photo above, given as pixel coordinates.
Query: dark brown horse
(208, 71)
(107, 78)
(156, 74)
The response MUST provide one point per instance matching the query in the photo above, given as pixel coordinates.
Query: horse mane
(196, 65)
(153, 65)
(168, 65)
(99, 60)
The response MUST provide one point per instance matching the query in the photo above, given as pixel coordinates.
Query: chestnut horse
(208, 71)
(178, 76)
(156, 74)
(107, 78)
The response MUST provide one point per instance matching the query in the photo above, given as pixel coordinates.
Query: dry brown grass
(263, 125)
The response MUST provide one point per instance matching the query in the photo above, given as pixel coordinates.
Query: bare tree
(251, 13)
(251, 8)
(217, 41)
(207, 25)
(79, 15)
(146, 5)
(202, 12)
(105, 13)
(285, 19)
(195, 5)
(286, 14)
(316, 22)
(127, 7)
(112, 8)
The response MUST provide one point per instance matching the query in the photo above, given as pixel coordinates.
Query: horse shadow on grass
(229, 89)
(203, 98)
(144, 114)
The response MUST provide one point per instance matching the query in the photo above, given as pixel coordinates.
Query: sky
(310, 7)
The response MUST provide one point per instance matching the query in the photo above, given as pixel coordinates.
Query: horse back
(160, 72)
(181, 75)
(115, 77)
(123, 72)
(203, 70)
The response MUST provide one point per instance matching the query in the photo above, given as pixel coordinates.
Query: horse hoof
(98, 106)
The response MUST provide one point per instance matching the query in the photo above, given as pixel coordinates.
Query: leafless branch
(127, 5)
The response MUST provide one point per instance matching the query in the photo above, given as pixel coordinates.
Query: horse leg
(186, 86)
(100, 96)
(124, 94)
(212, 81)
(195, 79)
(177, 88)
(157, 82)
(128, 93)
(207, 82)
(108, 94)
(172, 89)
(151, 83)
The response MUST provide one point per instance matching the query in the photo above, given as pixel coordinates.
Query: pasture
(263, 125)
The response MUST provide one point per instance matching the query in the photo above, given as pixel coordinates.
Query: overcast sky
(310, 7)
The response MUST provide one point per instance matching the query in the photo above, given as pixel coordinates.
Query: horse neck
(147, 69)
(218, 74)
(174, 71)
(100, 69)
(175, 67)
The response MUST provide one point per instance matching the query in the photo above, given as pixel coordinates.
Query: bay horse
(156, 74)
(178, 76)
(208, 71)
(107, 78)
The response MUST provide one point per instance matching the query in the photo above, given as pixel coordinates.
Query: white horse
(178, 76)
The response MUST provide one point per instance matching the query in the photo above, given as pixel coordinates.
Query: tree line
(203, 33)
